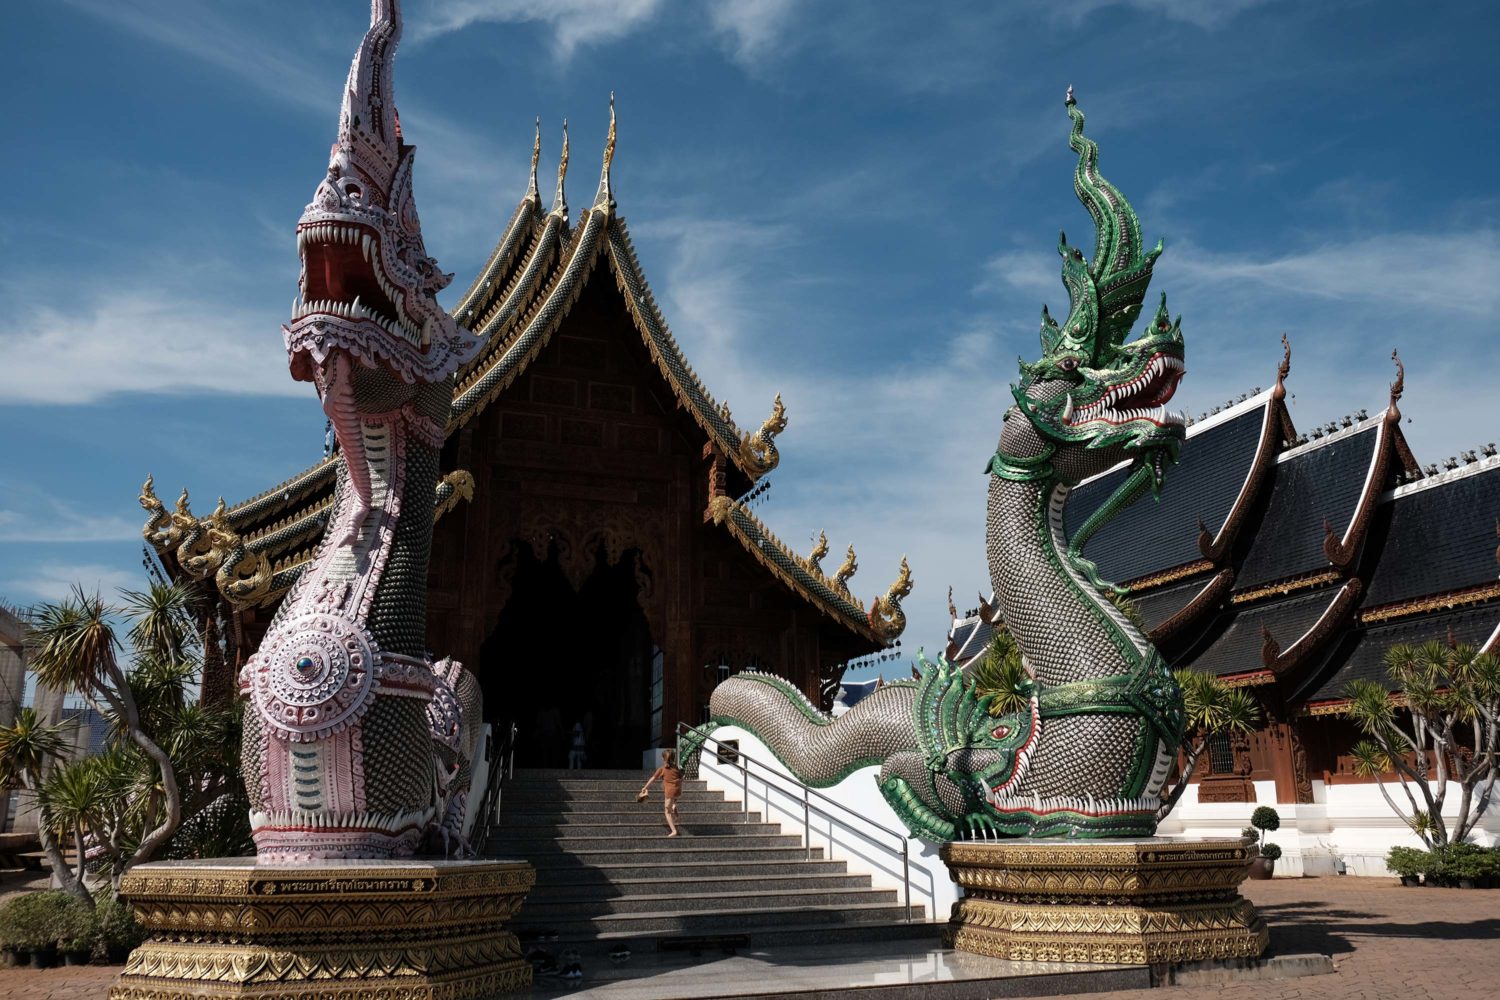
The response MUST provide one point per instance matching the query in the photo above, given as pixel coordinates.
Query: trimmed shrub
(1265, 818)
(119, 931)
(1408, 862)
(1270, 851)
(51, 918)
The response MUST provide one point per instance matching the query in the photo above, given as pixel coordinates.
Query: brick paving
(1386, 941)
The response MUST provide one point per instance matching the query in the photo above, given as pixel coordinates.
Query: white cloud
(756, 28)
(31, 514)
(574, 24)
(135, 337)
(1445, 271)
(1024, 271)
(55, 580)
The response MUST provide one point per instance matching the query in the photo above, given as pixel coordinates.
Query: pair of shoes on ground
(619, 953)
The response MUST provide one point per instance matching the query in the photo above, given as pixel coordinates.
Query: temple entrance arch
(572, 646)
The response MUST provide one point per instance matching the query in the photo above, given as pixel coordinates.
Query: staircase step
(570, 907)
(510, 842)
(679, 923)
(634, 828)
(595, 773)
(693, 850)
(550, 889)
(564, 870)
(632, 784)
(535, 814)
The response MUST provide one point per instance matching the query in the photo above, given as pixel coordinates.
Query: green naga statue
(1089, 751)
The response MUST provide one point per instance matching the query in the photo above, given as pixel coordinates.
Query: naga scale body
(356, 745)
(1088, 752)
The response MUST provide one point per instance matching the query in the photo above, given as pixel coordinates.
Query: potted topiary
(1408, 863)
(1263, 820)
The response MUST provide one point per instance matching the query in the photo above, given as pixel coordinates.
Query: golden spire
(845, 572)
(560, 201)
(532, 192)
(815, 557)
(605, 198)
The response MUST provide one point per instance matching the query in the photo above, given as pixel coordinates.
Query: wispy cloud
(755, 28)
(31, 514)
(137, 337)
(54, 580)
(574, 24)
(1453, 271)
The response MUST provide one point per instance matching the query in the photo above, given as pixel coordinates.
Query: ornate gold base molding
(1128, 902)
(373, 930)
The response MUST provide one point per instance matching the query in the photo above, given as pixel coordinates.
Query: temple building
(1287, 563)
(595, 559)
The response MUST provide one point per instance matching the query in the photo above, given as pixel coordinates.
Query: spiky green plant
(1436, 722)
(1002, 675)
(1211, 707)
(28, 749)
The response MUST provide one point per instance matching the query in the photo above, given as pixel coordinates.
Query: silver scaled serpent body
(356, 745)
(1096, 736)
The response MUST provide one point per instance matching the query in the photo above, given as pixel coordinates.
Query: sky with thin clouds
(854, 204)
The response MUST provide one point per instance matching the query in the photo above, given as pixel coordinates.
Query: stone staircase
(606, 869)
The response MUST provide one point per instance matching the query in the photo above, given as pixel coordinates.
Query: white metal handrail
(808, 808)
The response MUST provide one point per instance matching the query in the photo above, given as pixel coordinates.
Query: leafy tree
(27, 748)
(168, 756)
(1212, 708)
(1449, 732)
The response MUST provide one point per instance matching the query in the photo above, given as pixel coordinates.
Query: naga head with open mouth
(1093, 398)
(366, 326)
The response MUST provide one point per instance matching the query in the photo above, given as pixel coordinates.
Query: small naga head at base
(1092, 399)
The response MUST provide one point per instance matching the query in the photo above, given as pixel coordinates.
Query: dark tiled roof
(962, 629)
(1159, 605)
(1314, 483)
(1237, 650)
(1203, 485)
(1441, 538)
(976, 641)
(1365, 660)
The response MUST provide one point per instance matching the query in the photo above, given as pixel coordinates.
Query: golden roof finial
(846, 572)
(815, 557)
(758, 450)
(560, 200)
(886, 616)
(532, 192)
(605, 198)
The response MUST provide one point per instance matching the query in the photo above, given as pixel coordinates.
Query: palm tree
(1211, 708)
(75, 649)
(1002, 675)
(27, 748)
(1450, 731)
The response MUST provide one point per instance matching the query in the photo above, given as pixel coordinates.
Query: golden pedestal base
(1128, 902)
(372, 930)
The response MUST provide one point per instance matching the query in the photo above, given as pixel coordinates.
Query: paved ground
(1386, 941)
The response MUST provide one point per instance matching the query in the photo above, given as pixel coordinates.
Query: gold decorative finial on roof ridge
(886, 616)
(560, 200)
(758, 451)
(815, 557)
(605, 198)
(846, 572)
(532, 192)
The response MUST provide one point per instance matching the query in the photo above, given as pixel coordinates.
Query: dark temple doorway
(557, 659)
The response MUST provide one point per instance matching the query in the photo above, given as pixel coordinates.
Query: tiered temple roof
(533, 277)
(1314, 553)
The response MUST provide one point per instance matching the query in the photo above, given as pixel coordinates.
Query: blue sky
(851, 203)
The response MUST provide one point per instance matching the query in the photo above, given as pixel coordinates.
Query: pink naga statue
(356, 745)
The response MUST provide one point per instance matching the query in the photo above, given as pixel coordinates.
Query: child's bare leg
(670, 812)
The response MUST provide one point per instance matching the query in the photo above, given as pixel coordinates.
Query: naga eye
(1000, 732)
(1068, 364)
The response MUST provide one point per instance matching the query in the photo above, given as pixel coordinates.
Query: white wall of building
(855, 839)
(1350, 823)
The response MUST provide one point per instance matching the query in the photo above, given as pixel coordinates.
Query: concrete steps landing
(606, 869)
